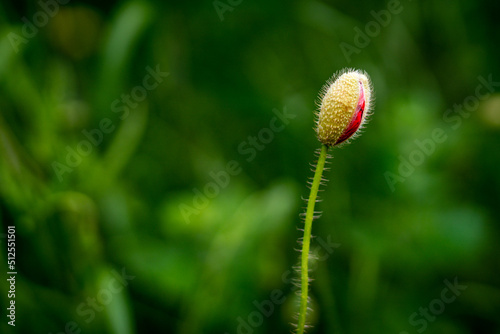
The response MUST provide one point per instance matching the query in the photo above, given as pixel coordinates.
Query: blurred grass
(119, 208)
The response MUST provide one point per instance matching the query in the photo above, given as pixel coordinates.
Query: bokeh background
(129, 204)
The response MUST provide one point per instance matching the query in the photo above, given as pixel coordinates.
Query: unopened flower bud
(345, 104)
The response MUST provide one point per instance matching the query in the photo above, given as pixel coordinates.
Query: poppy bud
(345, 104)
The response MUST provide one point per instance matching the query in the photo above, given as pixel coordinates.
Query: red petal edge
(356, 119)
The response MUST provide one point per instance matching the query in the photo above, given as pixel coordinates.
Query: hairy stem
(304, 273)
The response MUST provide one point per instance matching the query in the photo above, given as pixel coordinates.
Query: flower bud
(345, 104)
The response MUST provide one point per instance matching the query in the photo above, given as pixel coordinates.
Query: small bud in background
(75, 31)
(345, 104)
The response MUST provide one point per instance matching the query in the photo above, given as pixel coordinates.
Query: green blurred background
(127, 203)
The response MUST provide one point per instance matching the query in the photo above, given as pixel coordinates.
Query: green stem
(304, 273)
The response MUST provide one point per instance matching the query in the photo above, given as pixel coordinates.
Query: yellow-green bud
(346, 100)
